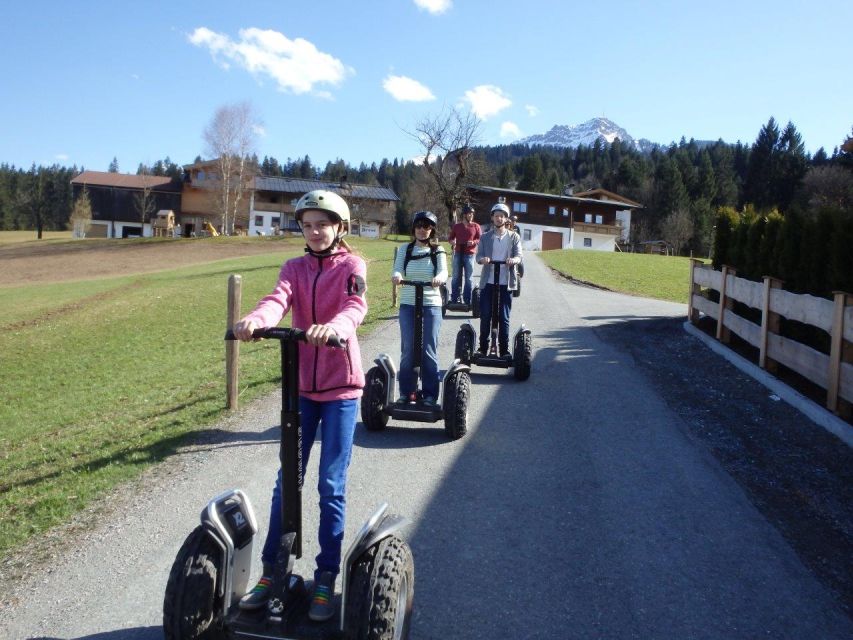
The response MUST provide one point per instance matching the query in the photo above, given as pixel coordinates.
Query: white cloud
(135, 76)
(510, 130)
(532, 110)
(61, 156)
(435, 7)
(487, 100)
(296, 65)
(407, 90)
(259, 130)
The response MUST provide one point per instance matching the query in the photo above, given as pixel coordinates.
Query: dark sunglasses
(423, 225)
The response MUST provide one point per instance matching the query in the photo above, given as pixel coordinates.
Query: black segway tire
(522, 356)
(381, 592)
(464, 347)
(456, 405)
(475, 302)
(191, 610)
(373, 400)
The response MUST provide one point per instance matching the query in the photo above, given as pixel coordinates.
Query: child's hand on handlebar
(396, 278)
(243, 329)
(437, 282)
(485, 260)
(512, 261)
(319, 334)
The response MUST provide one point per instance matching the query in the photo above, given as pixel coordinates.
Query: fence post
(695, 289)
(723, 334)
(394, 286)
(232, 347)
(836, 351)
(769, 324)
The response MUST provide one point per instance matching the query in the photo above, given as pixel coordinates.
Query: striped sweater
(420, 271)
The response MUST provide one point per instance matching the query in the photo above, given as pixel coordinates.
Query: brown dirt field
(39, 262)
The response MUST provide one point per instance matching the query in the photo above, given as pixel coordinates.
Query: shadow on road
(136, 633)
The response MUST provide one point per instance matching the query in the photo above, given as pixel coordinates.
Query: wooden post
(695, 289)
(836, 350)
(723, 334)
(769, 324)
(232, 347)
(394, 286)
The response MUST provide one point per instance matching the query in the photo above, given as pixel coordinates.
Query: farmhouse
(596, 219)
(274, 199)
(122, 204)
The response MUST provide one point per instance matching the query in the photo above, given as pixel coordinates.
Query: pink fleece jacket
(326, 290)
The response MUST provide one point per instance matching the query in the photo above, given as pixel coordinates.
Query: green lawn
(102, 378)
(650, 276)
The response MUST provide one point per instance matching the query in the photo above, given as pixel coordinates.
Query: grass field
(106, 376)
(102, 378)
(13, 237)
(650, 276)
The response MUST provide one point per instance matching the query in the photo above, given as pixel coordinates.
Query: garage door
(552, 240)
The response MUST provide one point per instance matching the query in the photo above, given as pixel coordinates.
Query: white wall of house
(265, 221)
(593, 241)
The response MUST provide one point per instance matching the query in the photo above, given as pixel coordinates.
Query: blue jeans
(336, 419)
(429, 353)
(504, 307)
(462, 262)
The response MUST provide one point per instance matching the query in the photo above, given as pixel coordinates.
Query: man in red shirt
(464, 236)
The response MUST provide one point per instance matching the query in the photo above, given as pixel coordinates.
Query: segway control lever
(282, 333)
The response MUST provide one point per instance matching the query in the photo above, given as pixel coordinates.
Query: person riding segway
(499, 252)
(465, 236)
(421, 384)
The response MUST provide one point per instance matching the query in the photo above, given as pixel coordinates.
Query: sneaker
(429, 401)
(482, 351)
(258, 596)
(322, 604)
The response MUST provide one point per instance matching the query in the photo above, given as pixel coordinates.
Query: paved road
(578, 506)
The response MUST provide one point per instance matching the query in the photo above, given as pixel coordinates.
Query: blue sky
(85, 81)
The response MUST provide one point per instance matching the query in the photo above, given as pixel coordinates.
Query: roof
(608, 195)
(127, 181)
(552, 196)
(301, 185)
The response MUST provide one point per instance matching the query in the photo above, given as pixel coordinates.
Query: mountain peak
(586, 134)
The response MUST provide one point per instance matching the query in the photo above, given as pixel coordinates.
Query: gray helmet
(323, 200)
(500, 206)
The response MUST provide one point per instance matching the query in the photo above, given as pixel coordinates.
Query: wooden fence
(833, 372)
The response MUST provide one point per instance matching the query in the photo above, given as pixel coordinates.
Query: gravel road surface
(581, 504)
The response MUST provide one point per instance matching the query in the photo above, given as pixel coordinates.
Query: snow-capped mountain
(586, 134)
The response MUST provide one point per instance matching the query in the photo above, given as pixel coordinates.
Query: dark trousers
(504, 307)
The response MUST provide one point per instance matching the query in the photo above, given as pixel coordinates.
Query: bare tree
(677, 228)
(447, 139)
(230, 140)
(81, 215)
(144, 200)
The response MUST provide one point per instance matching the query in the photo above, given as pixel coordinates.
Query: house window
(587, 242)
(275, 221)
(526, 234)
(274, 199)
(259, 221)
(552, 211)
(599, 219)
(519, 207)
(587, 217)
(565, 213)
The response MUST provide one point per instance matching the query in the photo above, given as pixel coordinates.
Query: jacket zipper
(314, 320)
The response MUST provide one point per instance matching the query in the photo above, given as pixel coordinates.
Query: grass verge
(103, 378)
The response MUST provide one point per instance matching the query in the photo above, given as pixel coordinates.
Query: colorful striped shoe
(322, 604)
(258, 596)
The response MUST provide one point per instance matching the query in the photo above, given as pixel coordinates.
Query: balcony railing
(604, 229)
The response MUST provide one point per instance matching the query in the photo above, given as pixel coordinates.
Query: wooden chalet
(596, 219)
(116, 199)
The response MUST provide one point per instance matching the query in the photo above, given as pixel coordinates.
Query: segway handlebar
(415, 283)
(282, 333)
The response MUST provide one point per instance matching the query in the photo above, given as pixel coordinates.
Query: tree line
(682, 187)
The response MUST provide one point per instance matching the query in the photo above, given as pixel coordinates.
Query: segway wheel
(475, 302)
(456, 405)
(381, 592)
(522, 356)
(191, 609)
(464, 347)
(373, 403)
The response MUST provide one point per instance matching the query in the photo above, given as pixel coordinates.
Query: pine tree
(114, 165)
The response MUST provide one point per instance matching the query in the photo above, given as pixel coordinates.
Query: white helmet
(500, 206)
(323, 200)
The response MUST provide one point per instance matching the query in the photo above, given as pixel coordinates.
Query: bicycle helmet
(500, 207)
(323, 200)
(429, 216)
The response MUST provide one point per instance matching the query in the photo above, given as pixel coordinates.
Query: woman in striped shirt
(423, 260)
